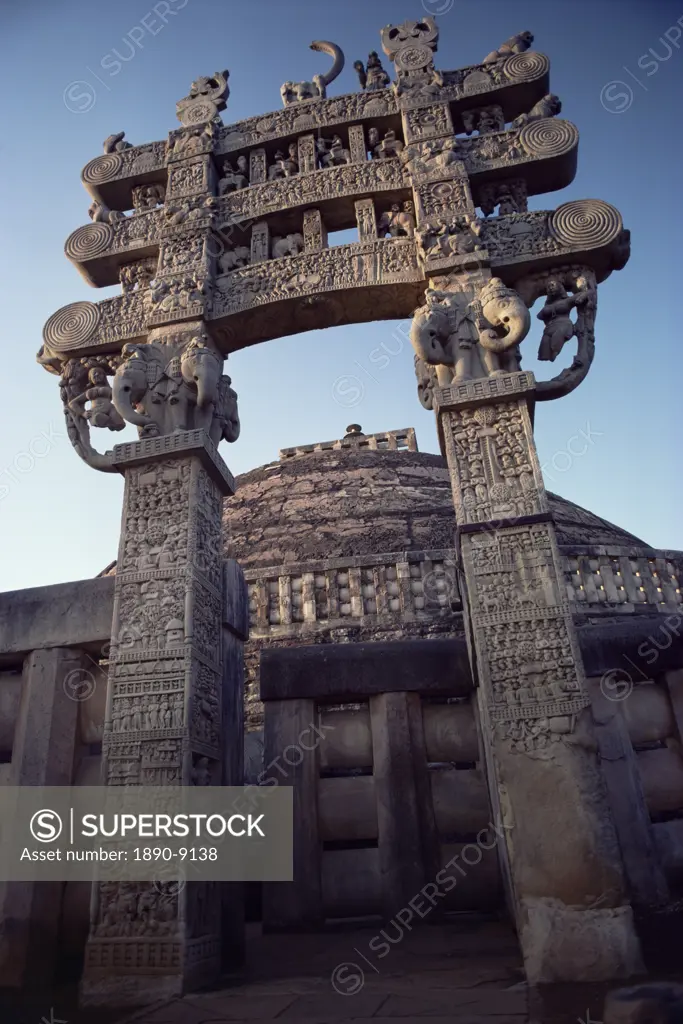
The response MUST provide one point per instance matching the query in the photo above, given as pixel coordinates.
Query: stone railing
(404, 586)
(388, 440)
(624, 579)
(423, 586)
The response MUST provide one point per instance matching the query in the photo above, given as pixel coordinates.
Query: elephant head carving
(507, 314)
(201, 368)
(130, 386)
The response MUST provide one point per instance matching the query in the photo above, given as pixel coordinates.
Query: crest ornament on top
(207, 97)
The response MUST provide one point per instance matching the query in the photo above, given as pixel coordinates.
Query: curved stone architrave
(390, 261)
(111, 177)
(316, 186)
(72, 326)
(586, 231)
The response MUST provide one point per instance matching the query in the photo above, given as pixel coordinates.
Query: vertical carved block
(306, 153)
(533, 699)
(164, 719)
(357, 146)
(315, 234)
(260, 242)
(427, 122)
(366, 218)
(258, 168)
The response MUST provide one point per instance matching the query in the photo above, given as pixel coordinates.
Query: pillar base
(561, 943)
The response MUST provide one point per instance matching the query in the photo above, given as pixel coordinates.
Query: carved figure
(425, 158)
(441, 237)
(373, 77)
(289, 245)
(284, 166)
(477, 338)
(331, 152)
(559, 327)
(396, 222)
(148, 197)
(115, 143)
(232, 179)
(233, 258)
(388, 147)
(299, 92)
(549, 106)
(515, 44)
(101, 412)
(100, 213)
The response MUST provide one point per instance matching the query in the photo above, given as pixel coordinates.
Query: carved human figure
(373, 76)
(232, 180)
(559, 327)
(331, 152)
(101, 412)
(389, 147)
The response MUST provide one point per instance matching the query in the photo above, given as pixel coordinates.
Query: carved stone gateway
(219, 238)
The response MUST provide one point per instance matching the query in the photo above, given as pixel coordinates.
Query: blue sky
(618, 70)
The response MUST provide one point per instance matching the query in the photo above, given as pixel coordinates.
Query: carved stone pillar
(574, 920)
(260, 242)
(258, 168)
(357, 145)
(366, 218)
(164, 705)
(306, 153)
(315, 234)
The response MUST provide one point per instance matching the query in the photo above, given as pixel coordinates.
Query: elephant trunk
(516, 327)
(122, 397)
(338, 59)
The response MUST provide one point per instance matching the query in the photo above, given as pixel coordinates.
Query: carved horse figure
(299, 92)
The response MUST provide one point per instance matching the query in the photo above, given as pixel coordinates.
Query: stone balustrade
(423, 586)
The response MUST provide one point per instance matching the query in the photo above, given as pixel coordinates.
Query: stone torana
(218, 236)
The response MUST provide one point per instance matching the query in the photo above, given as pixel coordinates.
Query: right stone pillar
(573, 917)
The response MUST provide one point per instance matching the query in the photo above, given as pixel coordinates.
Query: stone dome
(364, 496)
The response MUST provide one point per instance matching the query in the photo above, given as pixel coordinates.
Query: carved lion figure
(515, 44)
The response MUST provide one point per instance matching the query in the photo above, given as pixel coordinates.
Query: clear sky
(119, 66)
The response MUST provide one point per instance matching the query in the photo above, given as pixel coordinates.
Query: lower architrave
(575, 923)
(164, 713)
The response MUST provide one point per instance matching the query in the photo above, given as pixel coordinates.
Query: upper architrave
(515, 83)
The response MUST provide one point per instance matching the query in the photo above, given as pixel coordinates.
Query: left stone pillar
(164, 720)
(42, 755)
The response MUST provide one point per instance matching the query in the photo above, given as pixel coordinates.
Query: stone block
(648, 714)
(347, 809)
(461, 801)
(351, 883)
(661, 772)
(450, 732)
(10, 694)
(473, 875)
(348, 738)
(669, 841)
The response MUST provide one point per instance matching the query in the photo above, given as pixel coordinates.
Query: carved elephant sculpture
(130, 387)
(233, 258)
(465, 339)
(289, 245)
(298, 92)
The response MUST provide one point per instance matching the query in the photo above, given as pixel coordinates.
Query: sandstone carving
(232, 179)
(515, 44)
(289, 245)
(206, 98)
(298, 92)
(115, 143)
(396, 222)
(549, 106)
(331, 152)
(371, 76)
